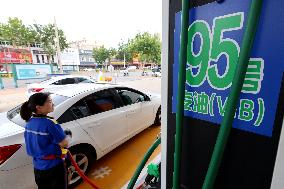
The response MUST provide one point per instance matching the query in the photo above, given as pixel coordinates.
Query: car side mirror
(146, 98)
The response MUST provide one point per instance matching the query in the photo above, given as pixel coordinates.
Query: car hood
(7, 127)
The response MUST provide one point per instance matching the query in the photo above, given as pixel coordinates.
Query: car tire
(158, 117)
(86, 159)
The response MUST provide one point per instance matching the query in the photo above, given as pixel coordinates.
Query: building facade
(70, 59)
(39, 56)
(86, 59)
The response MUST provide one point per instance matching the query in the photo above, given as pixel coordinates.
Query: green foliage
(46, 35)
(100, 54)
(14, 31)
(146, 47)
(123, 52)
(112, 52)
(29, 36)
(18, 34)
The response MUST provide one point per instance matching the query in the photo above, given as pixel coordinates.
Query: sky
(105, 21)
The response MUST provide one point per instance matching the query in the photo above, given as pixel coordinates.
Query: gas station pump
(222, 38)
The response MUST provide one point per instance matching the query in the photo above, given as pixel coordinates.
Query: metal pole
(233, 98)
(58, 47)
(124, 59)
(181, 91)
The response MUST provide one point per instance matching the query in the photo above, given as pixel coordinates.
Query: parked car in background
(124, 71)
(57, 82)
(100, 116)
(156, 72)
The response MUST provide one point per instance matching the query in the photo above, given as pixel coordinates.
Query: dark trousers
(54, 178)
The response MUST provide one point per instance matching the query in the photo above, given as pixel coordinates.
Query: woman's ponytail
(29, 107)
(26, 112)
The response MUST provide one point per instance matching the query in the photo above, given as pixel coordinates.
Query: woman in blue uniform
(45, 141)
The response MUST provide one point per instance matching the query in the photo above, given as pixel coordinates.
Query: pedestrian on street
(45, 142)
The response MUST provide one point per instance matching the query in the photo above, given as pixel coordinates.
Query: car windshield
(14, 114)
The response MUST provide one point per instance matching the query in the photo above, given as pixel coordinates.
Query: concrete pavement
(10, 98)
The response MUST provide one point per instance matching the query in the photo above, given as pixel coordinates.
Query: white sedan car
(100, 116)
(57, 82)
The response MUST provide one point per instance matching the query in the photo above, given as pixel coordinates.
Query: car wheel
(158, 117)
(84, 159)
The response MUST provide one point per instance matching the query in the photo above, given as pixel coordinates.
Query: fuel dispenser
(224, 89)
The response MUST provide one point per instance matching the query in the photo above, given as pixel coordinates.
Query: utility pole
(58, 52)
(124, 59)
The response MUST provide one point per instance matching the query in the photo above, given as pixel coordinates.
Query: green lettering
(195, 102)
(261, 111)
(200, 60)
(188, 100)
(224, 46)
(221, 106)
(246, 110)
(254, 76)
(211, 101)
(202, 106)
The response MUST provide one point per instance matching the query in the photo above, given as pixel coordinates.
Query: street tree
(3, 32)
(101, 54)
(29, 36)
(146, 47)
(46, 36)
(112, 52)
(13, 31)
(123, 52)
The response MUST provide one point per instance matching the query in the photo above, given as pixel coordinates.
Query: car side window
(101, 101)
(66, 117)
(80, 109)
(95, 103)
(83, 80)
(130, 97)
(67, 81)
(77, 111)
